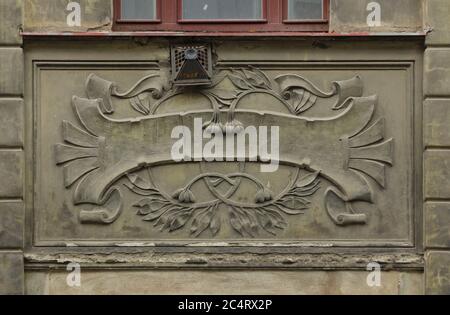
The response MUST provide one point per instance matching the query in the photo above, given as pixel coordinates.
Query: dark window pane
(305, 9)
(138, 10)
(222, 9)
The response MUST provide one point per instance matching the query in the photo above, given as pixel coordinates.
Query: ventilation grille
(202, 56)
(180, 64)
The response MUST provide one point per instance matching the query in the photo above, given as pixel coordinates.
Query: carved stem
(235, 103)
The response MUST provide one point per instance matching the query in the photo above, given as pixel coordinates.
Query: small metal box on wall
(191, 64)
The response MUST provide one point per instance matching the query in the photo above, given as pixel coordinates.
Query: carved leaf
(65, 153)
(255, 79)
(215, 224)
(151, 83)
(138, 106)
(294, 203)
(254, 226)
(308, 179)
(265, 222)
(303, 100)
(382, 152)
(75, 170)
(263, 76)
(201, 222)
(277, 219)
(371, 135)
(243, 221)
(179, 221)
(238, 82)
(270, 220)
(140, 182)
(290, 81)
(143, 192)
(224, 94)
(149, 205)
(374, 169)
(223, 103)
(308, 190)
(78, 137)
(236, 223)
(152, 216)
(166, 219)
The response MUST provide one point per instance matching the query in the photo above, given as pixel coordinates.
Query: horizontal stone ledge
(357, 261)
(412, 37)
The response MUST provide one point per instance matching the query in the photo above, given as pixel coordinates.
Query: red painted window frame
(263, 18)
(324, 19)
(169, 20)
(118, 15)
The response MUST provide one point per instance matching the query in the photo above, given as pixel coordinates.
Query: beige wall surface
(437, 153)
(224, 283)
(347, 16)
(11, 148)
(44, 224)
(57, 220)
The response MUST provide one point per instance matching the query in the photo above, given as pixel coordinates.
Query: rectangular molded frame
(399, 55)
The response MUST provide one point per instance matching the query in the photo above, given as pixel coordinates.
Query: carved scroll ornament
(346, 148)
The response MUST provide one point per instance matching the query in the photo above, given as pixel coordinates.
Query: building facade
(343, 186)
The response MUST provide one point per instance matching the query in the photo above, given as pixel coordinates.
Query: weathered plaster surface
(223, 282)
(141, 258)
(437, 155)
(51, 15)
(10, 22)
(12, 166)
(350, 16)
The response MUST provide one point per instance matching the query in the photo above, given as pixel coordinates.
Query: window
(222, 10)
(305, 10)
(221, 16)
(138, 10)
(135, 11)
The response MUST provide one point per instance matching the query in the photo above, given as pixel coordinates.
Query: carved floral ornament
(95, 157)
